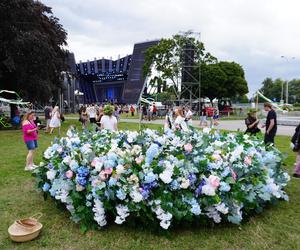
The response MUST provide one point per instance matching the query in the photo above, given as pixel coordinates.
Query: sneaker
(29, 168)
(296, 175)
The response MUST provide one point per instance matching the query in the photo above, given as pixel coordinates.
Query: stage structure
(119, 81)
(190, 89)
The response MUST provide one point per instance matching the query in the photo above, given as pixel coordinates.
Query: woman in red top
(30, 136)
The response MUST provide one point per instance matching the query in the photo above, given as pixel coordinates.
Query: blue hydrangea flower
(112, 182)
(152, 152)
(175, 185)
(121, 194)
(198, 190)
(224, 187)
(46, 187)
(150, 177)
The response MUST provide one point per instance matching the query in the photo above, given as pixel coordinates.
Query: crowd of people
(107, 116)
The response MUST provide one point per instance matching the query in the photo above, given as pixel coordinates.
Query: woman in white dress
(55, 121)
(108, 121)
(180, 123)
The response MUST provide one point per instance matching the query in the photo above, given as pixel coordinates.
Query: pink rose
(248, 160)
(69, 174)
(214, 181)
(188, 147)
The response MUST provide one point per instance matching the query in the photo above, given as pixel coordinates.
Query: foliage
(31, 53)
(218, 79)
(166, 58)
(223, 80)
(161, 178)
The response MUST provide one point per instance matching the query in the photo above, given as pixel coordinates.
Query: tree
(218, 79)
(31, 49)
(272, 89)
(166, 59)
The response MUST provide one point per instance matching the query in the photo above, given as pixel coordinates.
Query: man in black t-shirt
(271, 124)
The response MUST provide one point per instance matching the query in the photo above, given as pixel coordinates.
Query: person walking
(203, 114)
(30, 136)
(47, 112)
(296, 148)
(180, 123)
(132, 110)
(189, 116)
(92, 113)
(271, 124)
(252, 123)
(84, 116)
(55, 121)
(108, 121)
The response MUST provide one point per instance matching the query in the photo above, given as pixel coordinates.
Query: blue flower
(50, 165)
(195, 209)
(150, 177)
(224, 187)
(112, 182)
(192, 178)
(152, 152)
(46, 187)
(81, 177)
(198, 190)
(175, 185)
(121, 194)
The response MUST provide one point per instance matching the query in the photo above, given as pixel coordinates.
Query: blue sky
(253, 33)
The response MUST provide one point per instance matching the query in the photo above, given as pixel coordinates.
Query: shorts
(32, 144)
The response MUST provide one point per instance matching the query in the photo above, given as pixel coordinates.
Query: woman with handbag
(296, 148)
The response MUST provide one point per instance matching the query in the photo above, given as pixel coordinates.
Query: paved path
(234, 125)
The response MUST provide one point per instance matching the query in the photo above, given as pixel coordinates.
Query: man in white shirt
(92, 113)
(189, 116)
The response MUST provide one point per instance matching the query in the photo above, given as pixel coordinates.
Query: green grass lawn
(276, 228)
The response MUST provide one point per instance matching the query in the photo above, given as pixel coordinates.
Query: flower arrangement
(161, 178)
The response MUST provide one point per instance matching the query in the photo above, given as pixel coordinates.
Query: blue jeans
(32, 144)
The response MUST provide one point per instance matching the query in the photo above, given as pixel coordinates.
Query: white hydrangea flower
(51, 174)
(166, 176)
(99, 213)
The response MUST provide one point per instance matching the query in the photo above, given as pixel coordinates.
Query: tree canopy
(163, 62)
(31, 49)
(275, 89)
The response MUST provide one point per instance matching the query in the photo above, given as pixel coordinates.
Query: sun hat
(25, 229)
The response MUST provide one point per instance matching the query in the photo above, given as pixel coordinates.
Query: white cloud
(253, 33)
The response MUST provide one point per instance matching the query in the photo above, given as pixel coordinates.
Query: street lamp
(288, 59)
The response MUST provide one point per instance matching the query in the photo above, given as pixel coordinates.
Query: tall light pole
(288, 59)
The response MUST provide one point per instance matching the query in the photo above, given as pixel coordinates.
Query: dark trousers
(92, 120)
(269, 138)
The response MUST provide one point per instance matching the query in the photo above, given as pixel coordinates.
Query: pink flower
(94, 162)
(248, 160)
(188, 147)
(108, 170)
(104, 174)
(69, 174)
(234, 175)
(214, 181)
(139, 160)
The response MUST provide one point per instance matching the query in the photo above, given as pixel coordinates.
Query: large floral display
(159, 178)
